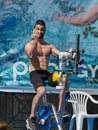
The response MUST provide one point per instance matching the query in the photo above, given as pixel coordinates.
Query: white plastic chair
(79, 102)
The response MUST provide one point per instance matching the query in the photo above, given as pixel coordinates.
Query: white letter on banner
(84, 72)
(54, 65)
(16, 72)
(93, 70)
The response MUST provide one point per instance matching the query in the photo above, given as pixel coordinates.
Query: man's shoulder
(52, 46)
(49, 44)
(28, 44)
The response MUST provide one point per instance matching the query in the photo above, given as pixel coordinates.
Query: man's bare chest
(43, 50)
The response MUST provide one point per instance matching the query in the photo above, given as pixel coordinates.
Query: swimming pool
(16, 24)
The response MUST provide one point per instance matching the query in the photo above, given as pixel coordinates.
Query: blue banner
(64, 20)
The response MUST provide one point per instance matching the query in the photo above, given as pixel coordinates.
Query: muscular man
(38, 52)
(87, 19)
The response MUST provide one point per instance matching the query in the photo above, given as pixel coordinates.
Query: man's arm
(30, 49)
(55, 52)
(87, 19)
(75, 20)
(60, 54)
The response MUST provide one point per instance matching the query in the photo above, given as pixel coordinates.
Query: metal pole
(77, 53)
(59, 125)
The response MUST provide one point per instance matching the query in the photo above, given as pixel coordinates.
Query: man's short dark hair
(41, 22)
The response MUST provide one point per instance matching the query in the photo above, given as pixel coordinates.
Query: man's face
(40, 30)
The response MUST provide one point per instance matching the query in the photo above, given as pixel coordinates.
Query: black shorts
(41, 77)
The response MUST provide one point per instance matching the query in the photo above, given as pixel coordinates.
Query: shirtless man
(89, 18)
(38, 52)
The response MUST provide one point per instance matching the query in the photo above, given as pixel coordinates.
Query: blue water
(16, 25)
